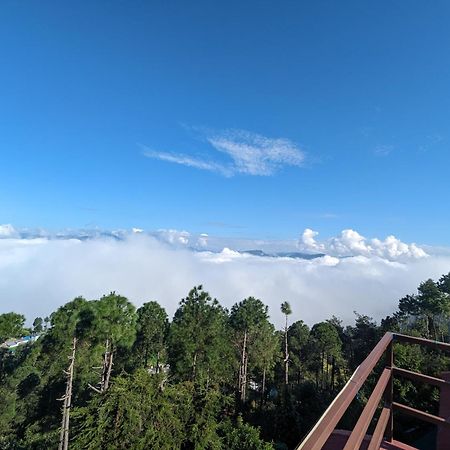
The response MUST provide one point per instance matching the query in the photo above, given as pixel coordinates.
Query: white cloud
(351, 243)
(174, 236)
(7, 231)
(383, 150)
(308, 241)
(202, 240)
(254, 154)
(186, 160)
(38, 275)
(247, 153)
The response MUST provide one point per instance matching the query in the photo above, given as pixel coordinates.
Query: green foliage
(36, 373)
(444, 284)
(116, 320)
(298, 336)
(242, 436)
(64, 321)
(326, 337)
(324, 348)
(133, 413)
(7, 414)
(363, 337)
(255, 342)
(137, 413)
(250, 317)
(199, 346)
(248, 314)
(428, 310)
(38, 325)
(11, 326)
(286, 308)
(264, 348)
(152, 331)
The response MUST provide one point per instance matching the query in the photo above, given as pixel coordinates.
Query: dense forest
(211, 378)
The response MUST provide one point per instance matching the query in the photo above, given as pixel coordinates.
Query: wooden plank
(330, 418)
(420, 414)
(389, 393)
(365, 418)
(420, 377)
(378, 434)
(421, 341)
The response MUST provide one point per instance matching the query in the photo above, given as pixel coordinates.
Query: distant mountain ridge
(180, 240)
(295, 255)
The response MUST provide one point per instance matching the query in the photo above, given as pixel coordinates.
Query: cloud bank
(245, 153)
(39, 274)
(351, 243)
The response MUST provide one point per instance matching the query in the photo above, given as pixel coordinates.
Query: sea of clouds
(40, 271)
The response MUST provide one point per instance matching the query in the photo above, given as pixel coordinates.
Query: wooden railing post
(389, 392)
(443, 435)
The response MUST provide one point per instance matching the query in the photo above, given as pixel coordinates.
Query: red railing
(383, 432)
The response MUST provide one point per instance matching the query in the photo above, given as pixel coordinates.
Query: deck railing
(319, 435)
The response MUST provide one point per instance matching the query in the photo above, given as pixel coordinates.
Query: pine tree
(246, 318)
(286, 310)
(152, 330)
(199, 347)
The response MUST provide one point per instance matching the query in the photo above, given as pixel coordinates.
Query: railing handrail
(330, 418)
(325, 426)
(421, 341)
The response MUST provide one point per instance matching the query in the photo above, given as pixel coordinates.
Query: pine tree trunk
(64, 434)
(263, 387)
(146, 356)
(321, 370)
(194, 365)
(243, 368)
(286, 354)
(433, 321)
(108, 373)
(244, 390)
(157, 362)
(105, 367)
(207, 380)
(333, 369)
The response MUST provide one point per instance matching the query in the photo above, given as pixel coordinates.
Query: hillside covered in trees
(210, 378)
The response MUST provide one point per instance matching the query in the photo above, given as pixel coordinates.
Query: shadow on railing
(383, 433)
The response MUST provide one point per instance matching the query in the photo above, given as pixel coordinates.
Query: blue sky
(352, 98)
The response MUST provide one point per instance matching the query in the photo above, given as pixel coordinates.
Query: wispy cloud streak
(383, 150)
(247, 153)
(254, 154)
(186, 160)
